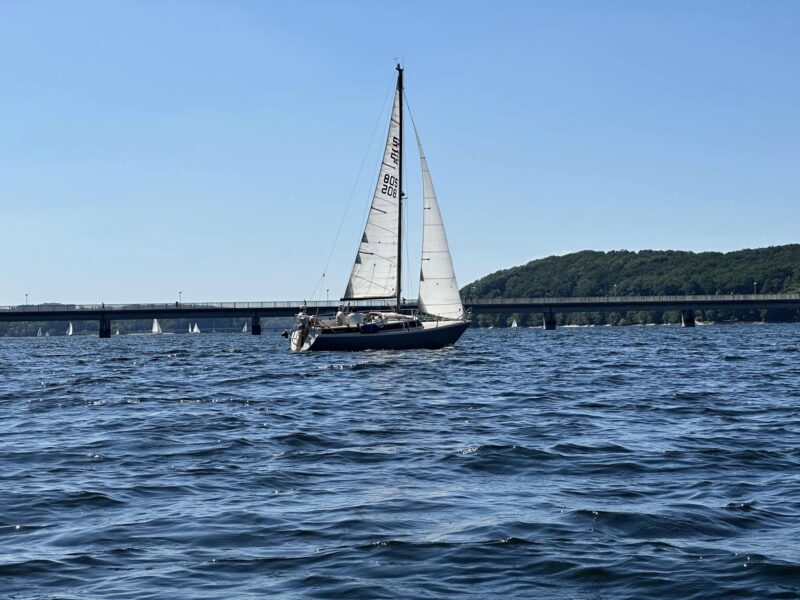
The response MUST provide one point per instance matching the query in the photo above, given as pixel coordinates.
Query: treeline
(645, 273)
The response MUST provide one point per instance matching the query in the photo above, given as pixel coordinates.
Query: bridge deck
(635, 303)
(95, 312)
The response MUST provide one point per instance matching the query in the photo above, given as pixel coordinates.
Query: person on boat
(304, 321)
(340, 316)
(302, 316)
(302, 324)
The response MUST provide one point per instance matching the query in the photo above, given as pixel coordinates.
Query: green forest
(647, 272)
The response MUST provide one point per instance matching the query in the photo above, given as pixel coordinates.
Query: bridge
(548, 307)
(105, 313)
(686, 304)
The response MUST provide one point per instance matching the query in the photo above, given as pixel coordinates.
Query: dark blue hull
(437, 336)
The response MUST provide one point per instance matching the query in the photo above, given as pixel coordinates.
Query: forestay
(374, 273)
(438, 289)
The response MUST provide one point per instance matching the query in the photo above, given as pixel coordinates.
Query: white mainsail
(69, 328)
(438, 289)
(156, 327)
(514, 324)
(196, 329)
(39, 333)
(374, 272)
(190, 327)
(244, 329)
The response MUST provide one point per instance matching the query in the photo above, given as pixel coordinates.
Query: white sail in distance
(374, 272)
(69, 328)
(156, 327)
(438, 289)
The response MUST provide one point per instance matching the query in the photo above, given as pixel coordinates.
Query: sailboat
(377, 269)
(244, 328)
(116, 332)
(514, 324)
(69, 328)
(39, 333)
(156, 328)
(196, 329)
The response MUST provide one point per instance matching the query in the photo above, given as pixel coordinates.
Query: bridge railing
(686, 298)
(291, 304)
(151, 306)
(331, 305)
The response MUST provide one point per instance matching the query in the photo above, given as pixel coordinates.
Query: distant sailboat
(117, 332)
(190, 327)
(46, 334)
(196, 329)
(39, 333)
(156, 327)
(244, 329)
(69, 328)
(514, 324)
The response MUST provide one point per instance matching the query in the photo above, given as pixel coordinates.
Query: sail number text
(389, 185)
(395, 153)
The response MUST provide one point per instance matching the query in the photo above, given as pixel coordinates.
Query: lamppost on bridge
(26, 298)
(615, 289)
(327, 298)
(180, 299)
(754, 287)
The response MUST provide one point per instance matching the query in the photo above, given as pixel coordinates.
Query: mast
(400, 188)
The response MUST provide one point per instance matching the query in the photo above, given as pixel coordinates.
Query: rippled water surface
(630, 462)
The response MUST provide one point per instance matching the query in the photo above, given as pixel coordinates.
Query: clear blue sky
(211, 147)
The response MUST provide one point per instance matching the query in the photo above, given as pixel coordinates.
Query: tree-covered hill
(647, 272)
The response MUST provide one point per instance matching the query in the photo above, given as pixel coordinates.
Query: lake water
(625, 462)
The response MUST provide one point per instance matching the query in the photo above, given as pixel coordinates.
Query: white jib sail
(69, 328)
(196, 329)
(156, 327)
(374, 273)
(438, 289)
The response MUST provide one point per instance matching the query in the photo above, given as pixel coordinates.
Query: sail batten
(438, 288)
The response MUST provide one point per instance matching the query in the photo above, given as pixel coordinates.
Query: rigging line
(355, 185)
(408, 110)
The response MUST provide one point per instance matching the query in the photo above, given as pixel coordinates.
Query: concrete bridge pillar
(687, 317)
(549, 321)
(255, 325)
(105, 328)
